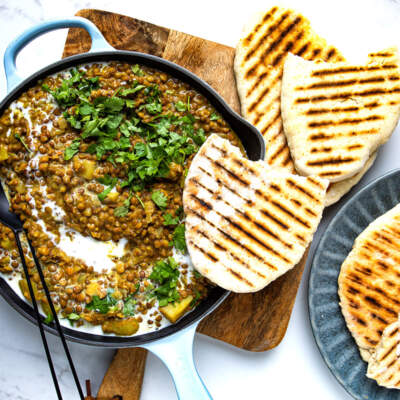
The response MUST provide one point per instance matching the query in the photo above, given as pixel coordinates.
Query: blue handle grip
(176, 351)
(10, 56)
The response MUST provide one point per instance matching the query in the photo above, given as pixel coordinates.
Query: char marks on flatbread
(247, 223)
(338, 189)
(384, 365)
(259, 60)
(369, 282)
(336, 115)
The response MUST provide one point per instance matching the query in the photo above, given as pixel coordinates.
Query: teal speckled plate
(334, 340)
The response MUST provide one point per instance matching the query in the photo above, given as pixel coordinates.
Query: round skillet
(173, 344)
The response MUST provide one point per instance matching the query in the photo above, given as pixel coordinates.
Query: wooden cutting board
(255, 322)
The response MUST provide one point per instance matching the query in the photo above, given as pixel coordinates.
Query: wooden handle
(124, 377)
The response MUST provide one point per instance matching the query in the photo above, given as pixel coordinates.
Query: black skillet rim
(248, 134)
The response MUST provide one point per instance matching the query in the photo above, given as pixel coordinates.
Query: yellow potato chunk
(3, 153)
(112, 196)
(7, 244)
(93, 289)
(87, 169)
(121, 327)
(174, 311)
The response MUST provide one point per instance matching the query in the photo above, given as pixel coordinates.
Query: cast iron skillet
(173, 344)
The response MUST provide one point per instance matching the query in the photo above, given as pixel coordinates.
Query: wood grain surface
(255, 322)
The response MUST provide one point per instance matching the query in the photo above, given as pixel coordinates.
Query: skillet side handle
(176, 352)
(10, 55)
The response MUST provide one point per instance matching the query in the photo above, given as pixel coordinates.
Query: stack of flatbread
(369, 286)
(247, 223)
(318, 114)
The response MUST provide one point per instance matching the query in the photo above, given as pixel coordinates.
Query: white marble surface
(294, 369)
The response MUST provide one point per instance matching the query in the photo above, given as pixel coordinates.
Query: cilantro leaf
(178, 238)
(136, 70)
(170, 220)
(72, 149)
(49, 318)
(159, 198)
(104, 305)
(23, 142)
(165, 274)
(123, 210)
(111, 182)
(214, 117)
(180, 106)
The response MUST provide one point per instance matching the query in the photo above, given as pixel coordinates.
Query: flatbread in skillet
(247, 223)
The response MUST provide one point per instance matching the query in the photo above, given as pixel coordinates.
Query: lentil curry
(94, 160)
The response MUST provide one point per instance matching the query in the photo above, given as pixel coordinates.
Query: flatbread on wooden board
(335, 115)
(260, 55)
(247, 223)
(384, 365)
(369, 282)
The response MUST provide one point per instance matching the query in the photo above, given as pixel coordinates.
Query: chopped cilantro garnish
(72, 149)
(170, 220)
(214, 117)
(180, 106)
(49, 318)
(130, 303)
(115, 130)
(165, 274)
(178, 238)
(140, 200)
(159, 198)
(136, 70)
(73, 317)
(104, 305)
(107, 180)
(123, 210)
(23, 142)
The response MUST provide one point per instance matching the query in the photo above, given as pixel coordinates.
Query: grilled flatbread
(247, 223)
(259, 59)
(338, 189)
(336, 115)
(384, 365)
(369, 281)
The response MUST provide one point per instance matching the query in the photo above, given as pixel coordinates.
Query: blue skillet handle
(176, 351)
(10, 56)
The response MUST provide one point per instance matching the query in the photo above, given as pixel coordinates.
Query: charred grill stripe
(318, 111)
(230, 173)
(321, 136)
(277, 152)
(246, 217)
(303, 49)
(263, 39)
(291, 214)
(331, 173)
(355, 146)
(266, 17)
(315, 182)
(344, 121)
(234, 256)
(233, 240)
(330, 54)
(265, 91)
(275, 219)
(205, 252)
(331, 161)
(388, 352)
(302, 190)
(275, 187)
(379, 318)
(238, 276)
(381, 54)
(344, 96)
(349, 82)
(342, 70)
(393, 332)
(321, 150)
(226, 186)
(276, 118)
(242, 230)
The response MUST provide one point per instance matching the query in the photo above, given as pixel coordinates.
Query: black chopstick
(57, 322)
(39, 319)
